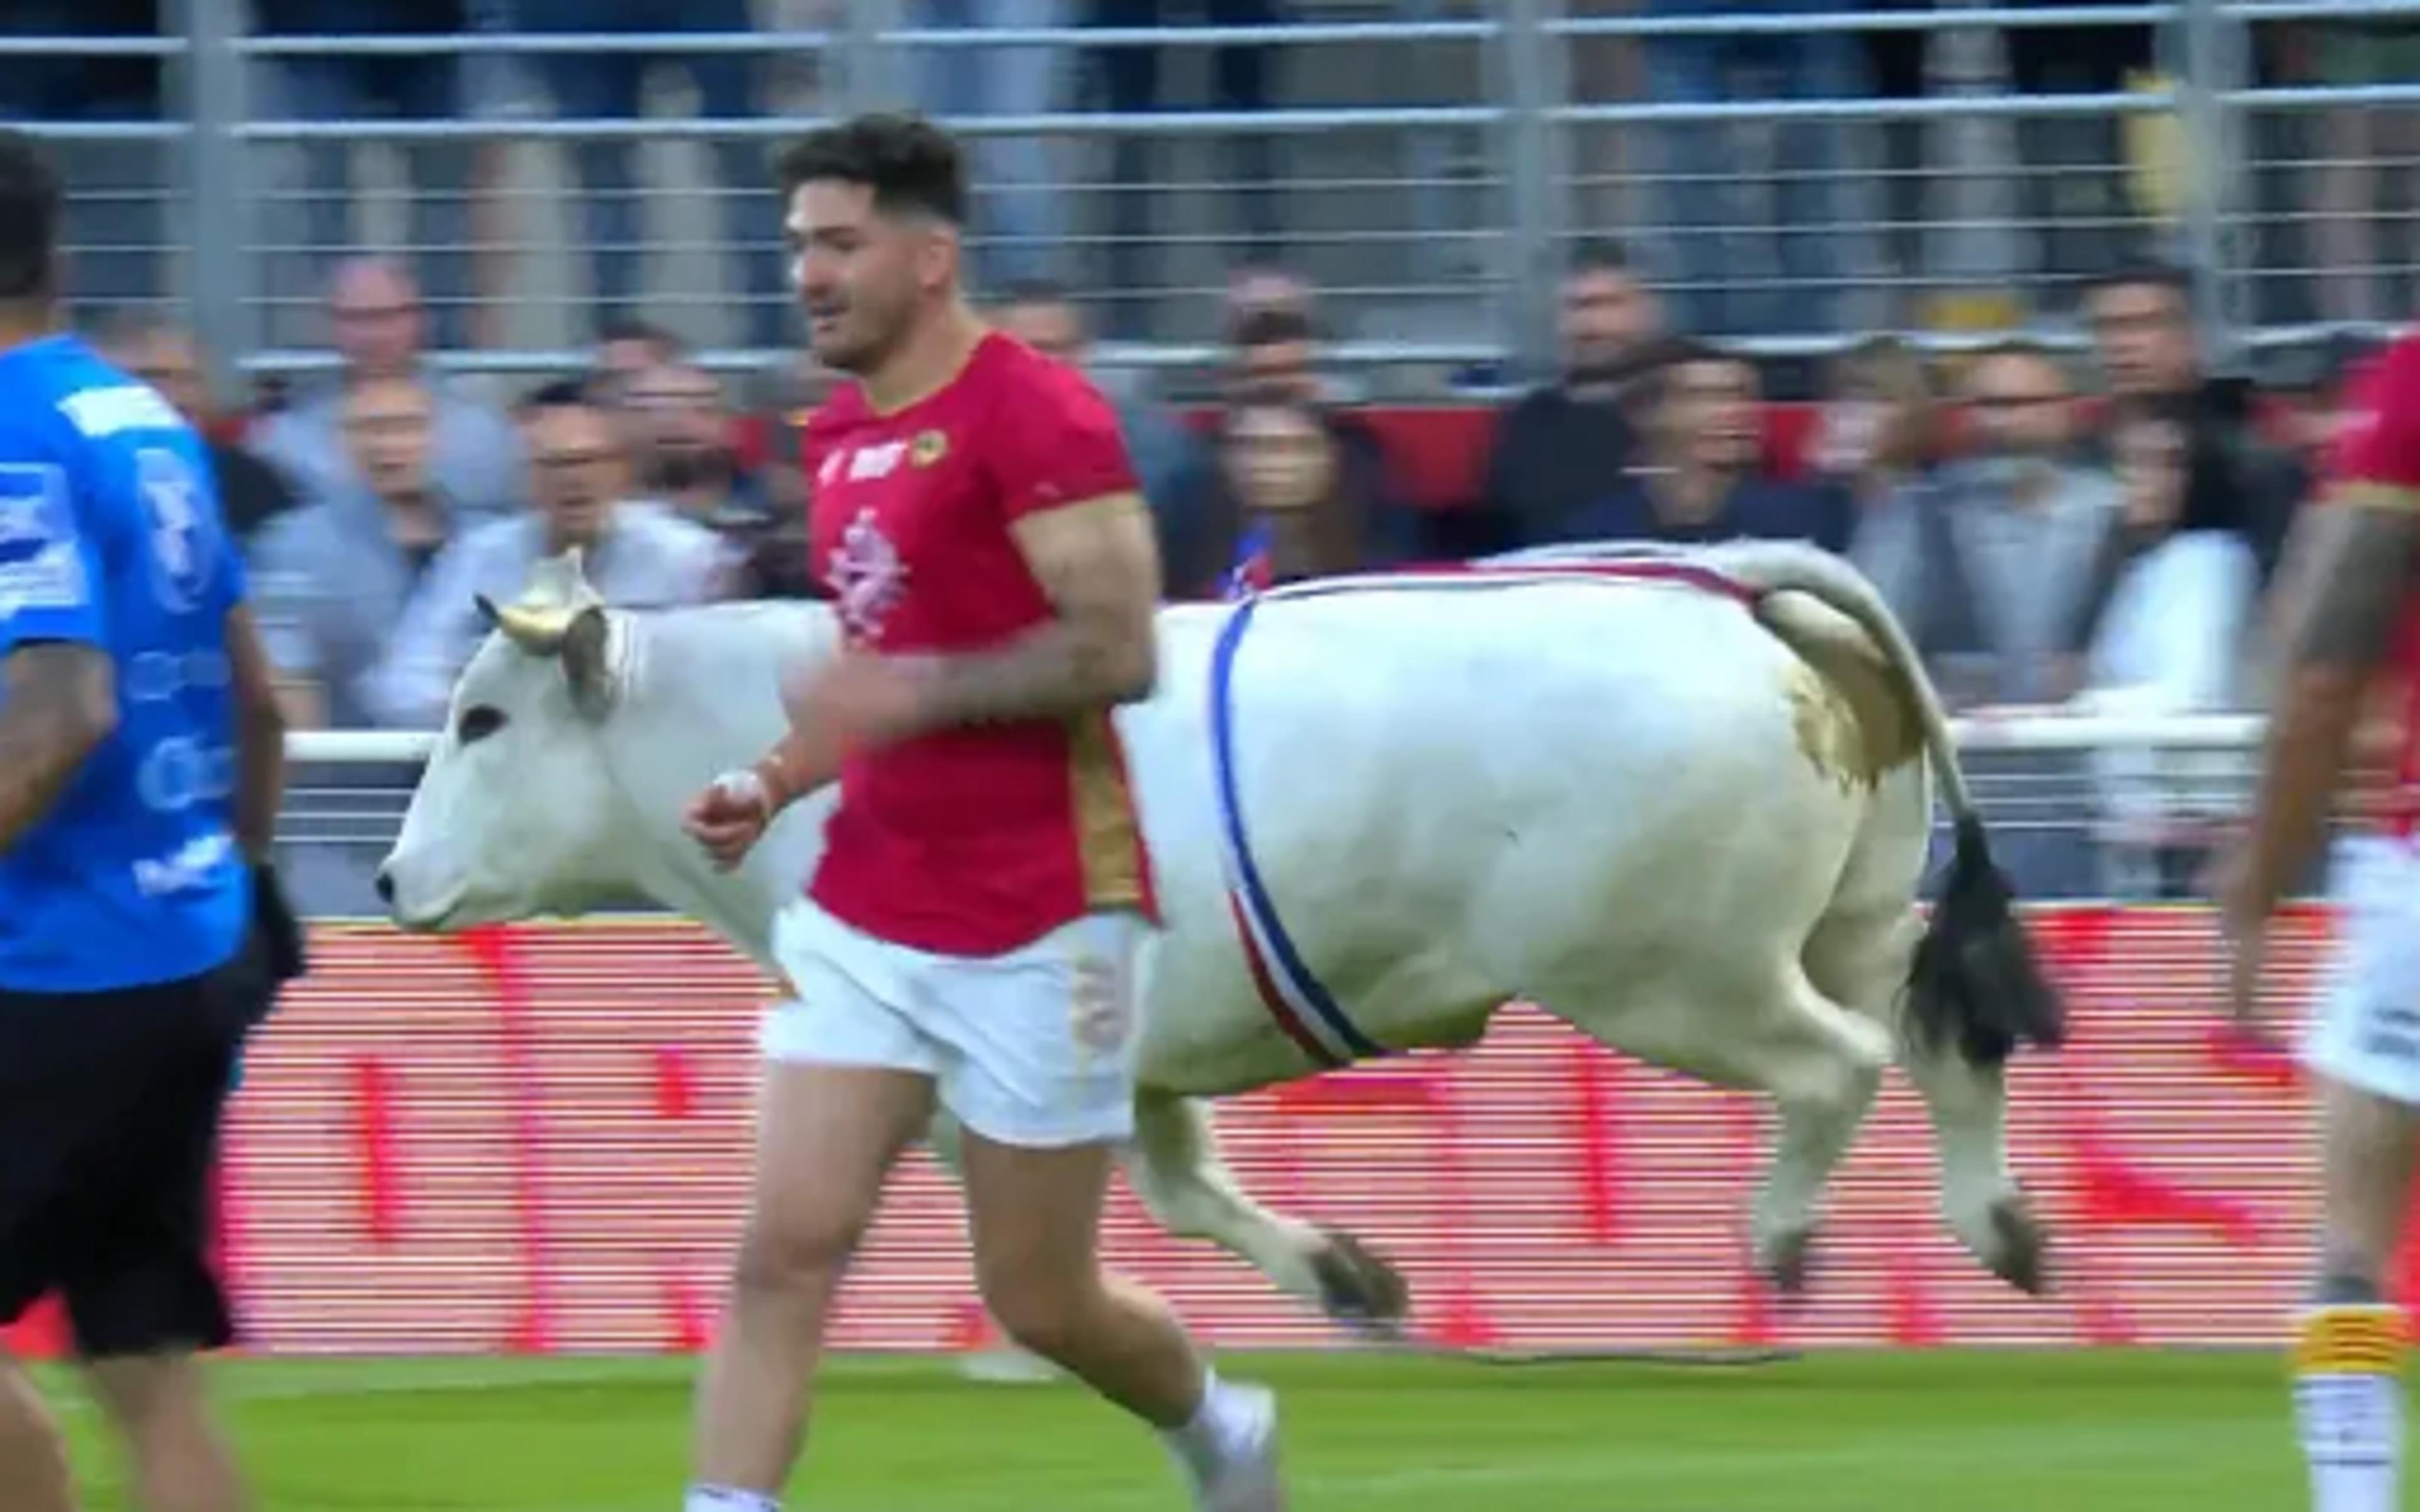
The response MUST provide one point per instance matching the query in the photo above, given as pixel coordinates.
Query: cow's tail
(1975, 976)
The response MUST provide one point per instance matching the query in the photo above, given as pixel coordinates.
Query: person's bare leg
(2347, 1349)
(1035, 1214)
(827, 1137)
(161, 1404)
(33, 1458)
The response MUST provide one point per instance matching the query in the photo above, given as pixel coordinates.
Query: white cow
(1689, 821)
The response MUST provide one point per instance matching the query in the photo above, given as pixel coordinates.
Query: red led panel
(540, 1140)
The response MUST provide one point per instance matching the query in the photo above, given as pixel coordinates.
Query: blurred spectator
(776, 564)
(608, 86)
(374, 309)
(116, 232)
(1273, 357)
(1559, 447)
(2142, 322)
(626, 348)
(327, 87)
(2313, 389)
(2076, 186)
(2009, 565)
(1288, 500)
(1018, 219)
(1169, 459)
(1239, 82)
(640, 555)
(2171, 640)
(1734, 291)
(164, 355)
(1878, 445)
(1702, 474)
(332, 579)
(680, 435)
(2367, 228)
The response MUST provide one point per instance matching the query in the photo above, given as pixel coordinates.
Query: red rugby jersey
(973, 841)
(2378, 457)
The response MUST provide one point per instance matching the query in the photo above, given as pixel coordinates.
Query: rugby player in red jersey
(2351, 612)
(972, 931)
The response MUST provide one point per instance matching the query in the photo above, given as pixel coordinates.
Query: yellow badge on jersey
(2349, 1341)
(928, 447)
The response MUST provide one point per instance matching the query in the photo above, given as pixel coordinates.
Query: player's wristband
(772, 782)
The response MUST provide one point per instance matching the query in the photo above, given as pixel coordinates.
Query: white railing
(2031, 731)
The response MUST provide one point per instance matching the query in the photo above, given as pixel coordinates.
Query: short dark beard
(677, 473)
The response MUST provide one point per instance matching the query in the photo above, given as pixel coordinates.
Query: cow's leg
(1174, 1167)
(1862, 958)
(1981, 1197)
(1822, 1066)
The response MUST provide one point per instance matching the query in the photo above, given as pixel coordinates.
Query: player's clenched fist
(729, 817)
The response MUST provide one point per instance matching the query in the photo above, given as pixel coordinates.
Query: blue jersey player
(141, 932)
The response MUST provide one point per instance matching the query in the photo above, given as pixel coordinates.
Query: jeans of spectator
(1713, 257)
(1020, 221)
(1239, 84)
(330, 88)
(608, 86)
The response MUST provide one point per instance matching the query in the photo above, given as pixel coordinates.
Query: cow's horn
(540, 632)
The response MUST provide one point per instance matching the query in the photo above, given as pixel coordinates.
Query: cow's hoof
(1357, 1287)
(1790, 1262)
(2020, 1248)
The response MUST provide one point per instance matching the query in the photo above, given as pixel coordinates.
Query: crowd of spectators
(2056, 533)
(1753, 231)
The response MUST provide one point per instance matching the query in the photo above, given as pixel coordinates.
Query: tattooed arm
(60, 703)
(2351, 563)
(1099, 565)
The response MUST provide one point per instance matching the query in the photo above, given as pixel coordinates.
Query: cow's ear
(586, 650)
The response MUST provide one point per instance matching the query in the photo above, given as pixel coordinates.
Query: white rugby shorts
(1034, 1048)
(2366, 1029)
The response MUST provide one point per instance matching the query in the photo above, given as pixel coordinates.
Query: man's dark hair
(1277, 327)
(30, 193)
(911, 164)
(561, 394)
(2148, 272)
(645, 333)
(1600, 257)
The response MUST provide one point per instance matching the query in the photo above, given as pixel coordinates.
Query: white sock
(1209, 1441)
(724, 1499)
(2349, 1404)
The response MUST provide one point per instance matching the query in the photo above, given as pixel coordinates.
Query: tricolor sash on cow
(1295, 996)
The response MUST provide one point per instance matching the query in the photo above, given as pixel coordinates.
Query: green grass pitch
(1951, 1431)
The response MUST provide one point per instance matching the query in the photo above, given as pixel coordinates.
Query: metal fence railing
(1790, 178)
(2078, 803)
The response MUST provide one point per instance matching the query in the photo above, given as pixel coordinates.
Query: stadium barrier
(537, 1141)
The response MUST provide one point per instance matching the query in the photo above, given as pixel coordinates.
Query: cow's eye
(478, 722)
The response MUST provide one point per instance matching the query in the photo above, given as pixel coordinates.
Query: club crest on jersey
(867, 577)
(184, 545)
(928, 447)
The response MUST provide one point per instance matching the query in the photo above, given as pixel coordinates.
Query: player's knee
(794, 1257)
(1042, 1308)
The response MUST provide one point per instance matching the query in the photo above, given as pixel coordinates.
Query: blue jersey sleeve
(50, 578)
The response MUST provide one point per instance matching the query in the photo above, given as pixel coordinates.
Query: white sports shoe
(1247, 1480)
